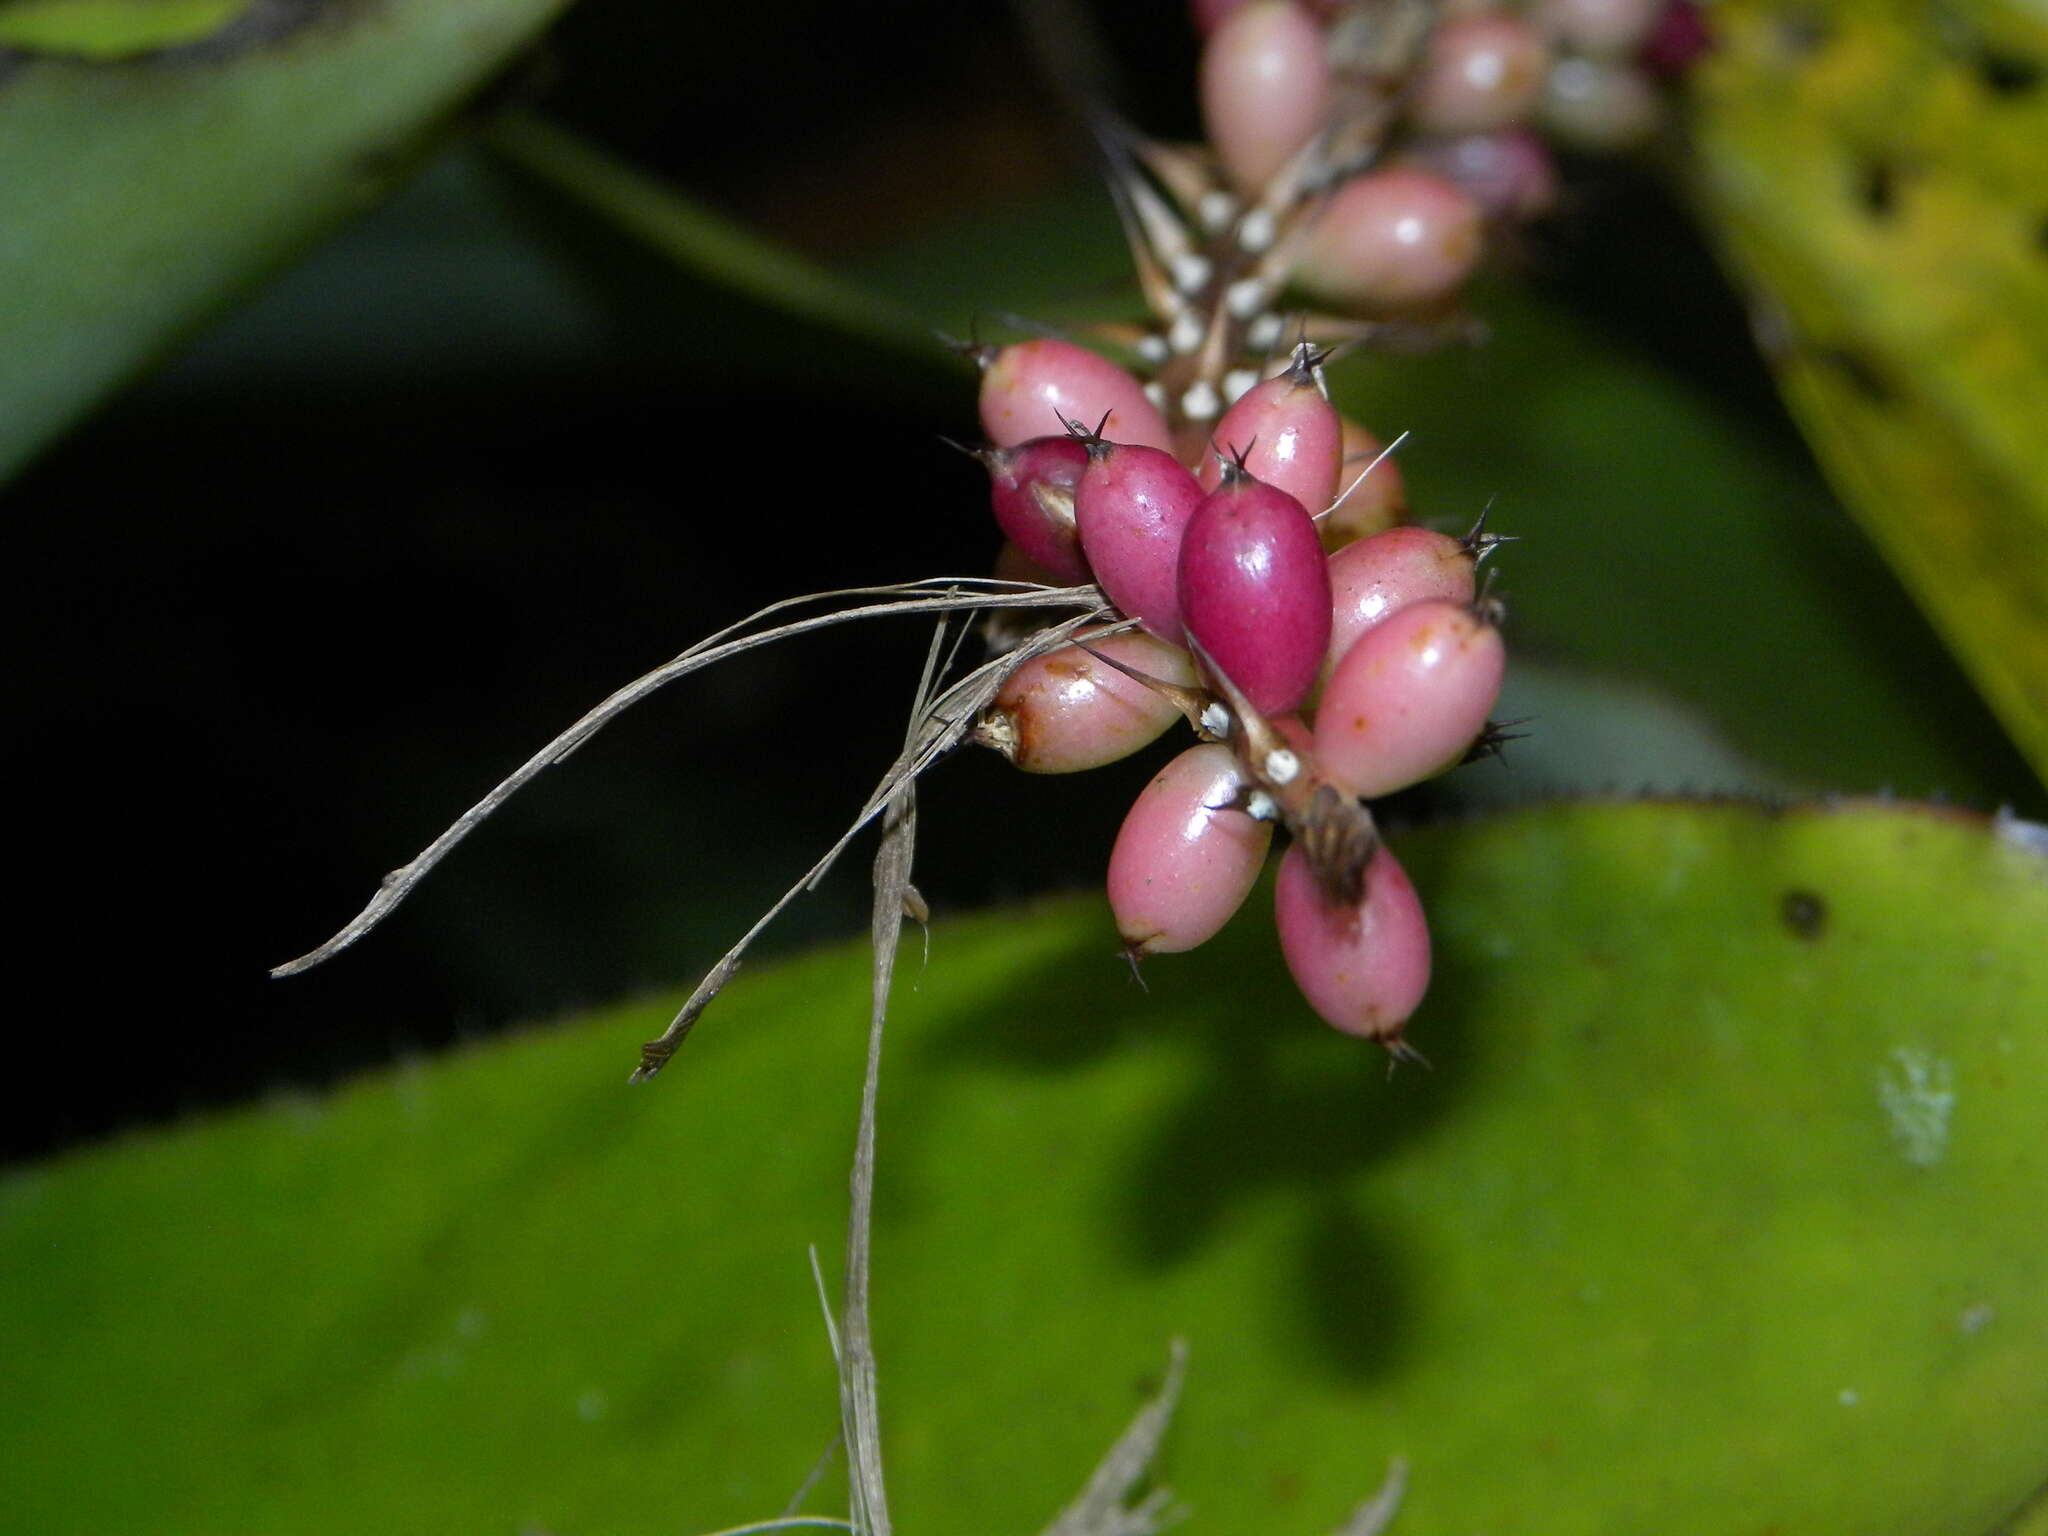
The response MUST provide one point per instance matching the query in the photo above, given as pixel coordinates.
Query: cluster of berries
(1454, 96)
(1315, 678)
(1361, 152)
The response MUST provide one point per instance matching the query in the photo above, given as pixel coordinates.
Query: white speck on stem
(1848, 1397)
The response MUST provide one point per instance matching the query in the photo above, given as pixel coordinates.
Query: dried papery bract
(968, 696)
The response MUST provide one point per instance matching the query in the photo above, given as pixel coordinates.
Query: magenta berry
(1363, 966)
(1031, 489)
(1393, 238)
(1132, 504)
(1255, 590)
(1184, 861)
(1265, 88)
(1070, 710)
(1408, 699)
(1374, 578)
(1030, 389)
(1289, 433)
(1483, 71)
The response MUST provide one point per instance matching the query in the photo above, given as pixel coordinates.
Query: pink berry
(1131, 504)
(1031, 389)
(1376, 577)
(1068, 710)
(1265, 88)
(1183, 863)
(1031, 488)
(1371, 494)
(1482, 72)
(1288, 432)
(1255, 590)
(1408, 698)
(1607, 28)
(1364, 967)
(1508, 172)
(1391, 238)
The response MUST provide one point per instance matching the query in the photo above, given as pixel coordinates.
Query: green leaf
(140, 197)
(112, 29)
(1874, 173)
(1717, 1212)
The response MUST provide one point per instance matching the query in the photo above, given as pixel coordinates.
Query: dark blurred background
(301, 597)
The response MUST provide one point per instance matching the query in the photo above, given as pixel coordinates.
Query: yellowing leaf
(1879, 174)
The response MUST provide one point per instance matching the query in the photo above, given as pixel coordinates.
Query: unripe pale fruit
(1132, 504)
(1255, 590)
(1365, 966)
(1031, 490)
(1068, 710)
(1376, 577)
(1265, 88)
(1393, 238)
(1408, 698)
(1288, 433)
(1600, 104)
(1183, 863)
(1033, 388)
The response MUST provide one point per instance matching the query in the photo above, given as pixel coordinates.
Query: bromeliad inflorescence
(1194, 533)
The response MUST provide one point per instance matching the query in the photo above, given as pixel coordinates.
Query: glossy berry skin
(1376, 577)
(1255, 591)
(1131, 505)
(1068, 710)
(1265, 88)
(1393, 238)
(1482, 72)
(1033, 388)
(1364, 967)
(1408, 699)
(1183, 864)
(1031, 490)
(1290, 436)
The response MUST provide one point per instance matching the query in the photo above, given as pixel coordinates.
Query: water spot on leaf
(1918, 1094)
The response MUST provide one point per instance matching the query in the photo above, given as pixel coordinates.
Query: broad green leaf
(1717, 1212)
(139, 197)
(112, 29)
(1875, 173)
